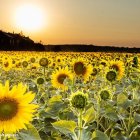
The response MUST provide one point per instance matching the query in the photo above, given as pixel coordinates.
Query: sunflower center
(115, 67)
(79, 68)
(6, 64)
(61, 78)
(8, 109)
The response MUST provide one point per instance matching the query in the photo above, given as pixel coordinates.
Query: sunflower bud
(40, 80)
(111, 76)
(79, 100)
(104, 94)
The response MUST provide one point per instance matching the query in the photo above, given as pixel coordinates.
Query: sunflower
(82, 69)
(32, 60)
(25, 64)
(16, 109)
(135, 62)
(105, 94)
(43, 62)
(79, 100)
(118, 66)
(59, 60)
(111, 75)
(6, 64)
(34, 66)
(18, 65)
(59, 76)
(40, 80)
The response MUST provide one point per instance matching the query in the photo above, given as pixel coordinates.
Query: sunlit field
(69, 96)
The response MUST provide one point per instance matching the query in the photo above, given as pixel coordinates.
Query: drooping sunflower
(59, 76)
(118, 66)
(82, 69)
(16, 109)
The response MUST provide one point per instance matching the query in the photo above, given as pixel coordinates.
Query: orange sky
(99, 22)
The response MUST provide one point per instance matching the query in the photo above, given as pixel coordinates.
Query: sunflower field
(69, 96)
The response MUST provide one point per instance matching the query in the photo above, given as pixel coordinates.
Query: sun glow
(29, 18)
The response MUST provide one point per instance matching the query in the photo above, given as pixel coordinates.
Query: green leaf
(98, 135)
(89, 115)
(54, 106)
(86, 135)
(64, 126)
(121, 98)
(137, 117)
(110, 113)
(112, 116)
(29, 134)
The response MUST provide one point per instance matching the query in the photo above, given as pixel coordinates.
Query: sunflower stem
(98, 113)
(80, 124)
(44, 72)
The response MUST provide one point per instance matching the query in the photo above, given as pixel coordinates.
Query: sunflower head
(103, 63)
(79, 100)
(16, 109)
(111, 75)
(7, 64)
(135, 61)
(8, 108)
(32, 60)
(118, 66)
(82, 69)
(79, 68)
(43, 62)
(94, 72)
(59, 76)
(25, 64)
(104, 94)
(40, 81)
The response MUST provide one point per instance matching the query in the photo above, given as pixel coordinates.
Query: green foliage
(29, 134)
(98, 135)
(89, 115)
(55, 104)
(122, 99)
(64, 126)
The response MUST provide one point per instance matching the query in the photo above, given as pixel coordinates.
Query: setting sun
(29, 18)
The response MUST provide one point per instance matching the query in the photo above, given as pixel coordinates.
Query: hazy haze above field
(99, 22)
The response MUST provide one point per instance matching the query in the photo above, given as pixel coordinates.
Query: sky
(98, 22)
